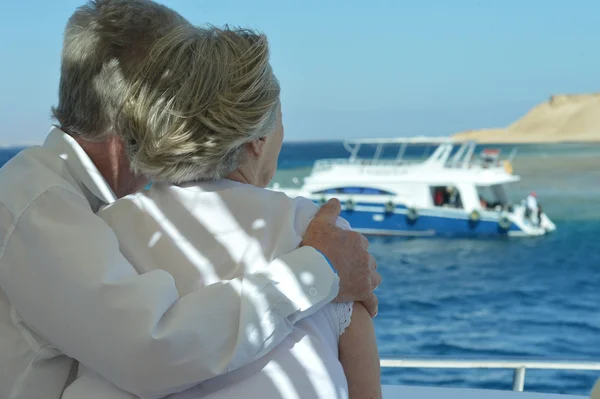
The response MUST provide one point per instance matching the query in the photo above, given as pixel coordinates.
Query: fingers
(364, 242)
(372, 305)
(330, 211)
(372, 263)
(375, 279)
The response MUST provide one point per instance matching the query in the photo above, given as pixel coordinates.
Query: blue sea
(492, 298)
(533, 298)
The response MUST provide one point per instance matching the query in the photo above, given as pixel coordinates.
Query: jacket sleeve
(62, 270)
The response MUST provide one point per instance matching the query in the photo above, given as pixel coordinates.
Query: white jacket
(209, 233)
(66, 290)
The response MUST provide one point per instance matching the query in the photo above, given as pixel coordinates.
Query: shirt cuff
(327, 259)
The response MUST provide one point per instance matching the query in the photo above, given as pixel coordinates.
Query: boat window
(492, 197)
(354, 190)
(446, 196)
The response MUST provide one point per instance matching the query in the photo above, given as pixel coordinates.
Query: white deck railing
(519, 366)
(328, 163)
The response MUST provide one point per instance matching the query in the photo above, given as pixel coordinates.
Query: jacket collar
(80, 166)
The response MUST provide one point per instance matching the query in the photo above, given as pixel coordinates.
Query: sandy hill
(563, 118)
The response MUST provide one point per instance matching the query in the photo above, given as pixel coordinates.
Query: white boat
(451, 192)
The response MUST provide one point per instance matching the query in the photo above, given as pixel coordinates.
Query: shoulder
(142, 215)
(57, 214)
(242, 197)
(35, 174)
(299, 211)
(135, 201)
(296, 212)
(37, 190)
(245, 202)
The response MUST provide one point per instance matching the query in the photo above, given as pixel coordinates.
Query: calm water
(500, 298)
(536, 297)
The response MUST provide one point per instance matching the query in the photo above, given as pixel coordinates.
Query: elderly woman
(208, 131)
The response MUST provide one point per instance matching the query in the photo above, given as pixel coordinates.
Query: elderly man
(66, 292)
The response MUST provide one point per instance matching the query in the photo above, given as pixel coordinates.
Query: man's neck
(109, 157)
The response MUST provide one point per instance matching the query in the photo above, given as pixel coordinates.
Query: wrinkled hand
(347, 252)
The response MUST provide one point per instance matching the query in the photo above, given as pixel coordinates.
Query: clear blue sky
(352, 68)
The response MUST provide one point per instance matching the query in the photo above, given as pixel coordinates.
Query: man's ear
(257, 146)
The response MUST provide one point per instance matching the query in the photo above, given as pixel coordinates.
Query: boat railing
(325, 164)
(519, 366)
(443, 156)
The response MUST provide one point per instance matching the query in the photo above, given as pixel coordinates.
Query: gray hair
(104, 42)
(201, 95)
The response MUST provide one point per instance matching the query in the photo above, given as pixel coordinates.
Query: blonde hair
(201, 95)
(104, 42)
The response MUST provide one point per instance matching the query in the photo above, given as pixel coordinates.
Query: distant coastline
(562, 119)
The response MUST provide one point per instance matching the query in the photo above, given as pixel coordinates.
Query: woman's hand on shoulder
(348, 253)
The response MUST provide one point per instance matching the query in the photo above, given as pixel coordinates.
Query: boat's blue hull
(373, 219)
